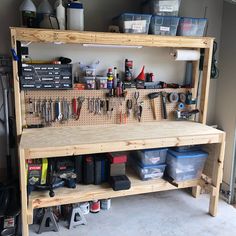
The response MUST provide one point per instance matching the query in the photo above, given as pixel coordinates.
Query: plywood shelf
(86, 37)
(84, 193)
(69, 141)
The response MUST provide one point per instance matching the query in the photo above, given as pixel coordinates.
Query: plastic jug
(61, 14)
(75, 16)
(44, 7)
(28, 13)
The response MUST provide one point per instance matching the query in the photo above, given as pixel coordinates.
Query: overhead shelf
(105, 38)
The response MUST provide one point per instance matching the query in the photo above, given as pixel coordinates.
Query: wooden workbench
(69, 141)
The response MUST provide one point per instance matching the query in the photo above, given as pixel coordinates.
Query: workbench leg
(217, 178)
(23, 186)
(196, 191)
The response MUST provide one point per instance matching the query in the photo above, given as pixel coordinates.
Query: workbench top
(67, 141)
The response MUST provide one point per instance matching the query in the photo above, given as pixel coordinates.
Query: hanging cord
(214, 69)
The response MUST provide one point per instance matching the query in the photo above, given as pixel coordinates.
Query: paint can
(106, 204)
(95, 206)
(85, 208)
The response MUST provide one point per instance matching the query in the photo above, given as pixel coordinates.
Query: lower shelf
(84, 193)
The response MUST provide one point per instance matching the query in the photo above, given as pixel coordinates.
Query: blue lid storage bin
(133, 23)
(183, 166)
(150, 157)
(162, 7)
(164, 25)
(192, 26)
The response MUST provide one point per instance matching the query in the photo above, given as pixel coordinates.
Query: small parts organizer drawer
(46, 76)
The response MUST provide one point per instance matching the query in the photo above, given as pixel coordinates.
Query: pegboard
(119, 105)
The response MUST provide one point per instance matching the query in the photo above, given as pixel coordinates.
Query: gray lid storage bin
(133, 23)
(164, 25)
(162, 7)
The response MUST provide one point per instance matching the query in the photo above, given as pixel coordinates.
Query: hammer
(152, 97)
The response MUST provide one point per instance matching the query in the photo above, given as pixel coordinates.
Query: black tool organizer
(46, 77)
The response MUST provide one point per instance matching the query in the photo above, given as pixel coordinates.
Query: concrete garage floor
(171, 213)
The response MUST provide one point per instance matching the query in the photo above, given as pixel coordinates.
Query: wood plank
(17, 94)
(205, 84)
(94, 192)
(217, 177)
(105, 38)
(23, 189)
(67, 141)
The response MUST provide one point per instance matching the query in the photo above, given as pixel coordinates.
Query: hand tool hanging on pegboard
(152, 97)
(164, 110)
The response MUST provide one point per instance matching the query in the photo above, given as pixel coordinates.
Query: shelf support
(217, 177)
(206, 83)
(23, 188)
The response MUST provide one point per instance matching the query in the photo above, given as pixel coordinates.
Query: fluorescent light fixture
(110, 46)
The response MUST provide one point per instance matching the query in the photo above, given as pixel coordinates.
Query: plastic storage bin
(150, 157)
(192, 26)
(162, 7)
(134, 23)
(185, 165)
(149, 172)
(164, 25)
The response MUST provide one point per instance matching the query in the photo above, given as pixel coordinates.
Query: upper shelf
(86, 37)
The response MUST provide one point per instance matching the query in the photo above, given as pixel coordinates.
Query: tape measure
(181, 106)
(173, 97)
(182, 97)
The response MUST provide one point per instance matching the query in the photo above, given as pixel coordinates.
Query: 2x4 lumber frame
(86, 37)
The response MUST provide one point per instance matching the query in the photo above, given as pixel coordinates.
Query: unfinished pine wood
(23, 188)
(205, 84)
(83, 37)
(68, 141)
(84, 193)
(217, 177)
(17, 94)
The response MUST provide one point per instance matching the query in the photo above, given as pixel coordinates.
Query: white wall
(98, 15)
(226, 89)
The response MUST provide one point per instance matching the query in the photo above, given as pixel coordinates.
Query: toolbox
(150, 157)
(120, 182)
(46, 76)
(189, 26)
(117, 157)
(185, 165)
(162, 7)
(164, 25)
(133, 23)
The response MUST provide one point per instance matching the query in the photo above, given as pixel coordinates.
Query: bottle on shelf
(128, 70)
(75, 16)
(28, 13)
(110, 79)
(44, 7)
(61, 14)
(115, 79)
